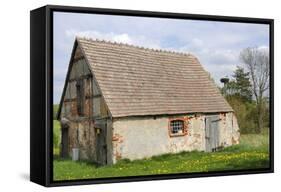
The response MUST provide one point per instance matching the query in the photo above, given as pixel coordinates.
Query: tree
(245, 114)
(230, 88)
(257, 63)
(243, 84)
(237, 92)
(239, 87)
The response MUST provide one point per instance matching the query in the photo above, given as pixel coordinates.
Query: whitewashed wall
(143, 137)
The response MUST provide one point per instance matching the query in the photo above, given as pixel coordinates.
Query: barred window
(177, 126)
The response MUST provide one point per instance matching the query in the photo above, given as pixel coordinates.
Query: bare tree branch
(257, 63)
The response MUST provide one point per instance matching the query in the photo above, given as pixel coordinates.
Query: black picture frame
(41, 93)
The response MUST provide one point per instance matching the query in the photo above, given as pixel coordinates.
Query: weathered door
(101, 147)
(212, 133)
(64, 142)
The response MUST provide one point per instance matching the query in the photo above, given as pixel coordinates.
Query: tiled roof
(139, 81)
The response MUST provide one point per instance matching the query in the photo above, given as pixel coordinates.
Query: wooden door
(212, 133)
(101, 146)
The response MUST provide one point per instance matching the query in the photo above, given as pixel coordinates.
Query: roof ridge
(135, 46)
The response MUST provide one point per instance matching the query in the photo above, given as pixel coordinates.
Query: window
(177, 127)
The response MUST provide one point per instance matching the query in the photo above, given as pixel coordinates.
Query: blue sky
(216, 44)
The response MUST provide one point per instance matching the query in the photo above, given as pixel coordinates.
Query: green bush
(55, 110)
(245, 112)
(56, 131)
(56, 135)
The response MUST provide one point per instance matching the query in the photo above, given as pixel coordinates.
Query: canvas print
(139, 96)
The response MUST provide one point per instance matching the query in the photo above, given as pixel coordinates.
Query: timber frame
(68, 79)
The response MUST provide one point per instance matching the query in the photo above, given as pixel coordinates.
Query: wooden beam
(81, 77)
(86, 97)
(69, 100)
(92, 96)
(92, 118)
(78, 58)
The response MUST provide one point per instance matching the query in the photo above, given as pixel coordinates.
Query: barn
(122, 101)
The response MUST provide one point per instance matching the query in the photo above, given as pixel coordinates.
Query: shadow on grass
(245, 165)
(86, 162)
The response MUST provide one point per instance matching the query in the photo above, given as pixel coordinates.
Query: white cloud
(263, 48)
(123, 38)
(220, 63)
(138, 40)
(220, 57)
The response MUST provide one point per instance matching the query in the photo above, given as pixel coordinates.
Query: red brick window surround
(177, 127)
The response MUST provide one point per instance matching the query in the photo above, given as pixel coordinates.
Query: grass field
(251, 153)
(56, 137)
(56, 131)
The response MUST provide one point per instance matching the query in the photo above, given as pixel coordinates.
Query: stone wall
(143, 137)
(229, 130)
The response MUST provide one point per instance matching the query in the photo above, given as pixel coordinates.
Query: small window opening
(177, 127)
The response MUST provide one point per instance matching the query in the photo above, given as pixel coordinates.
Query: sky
(216, 44)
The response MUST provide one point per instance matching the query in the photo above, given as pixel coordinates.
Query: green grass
(251, 153)
(56, 131)
(56, 137)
